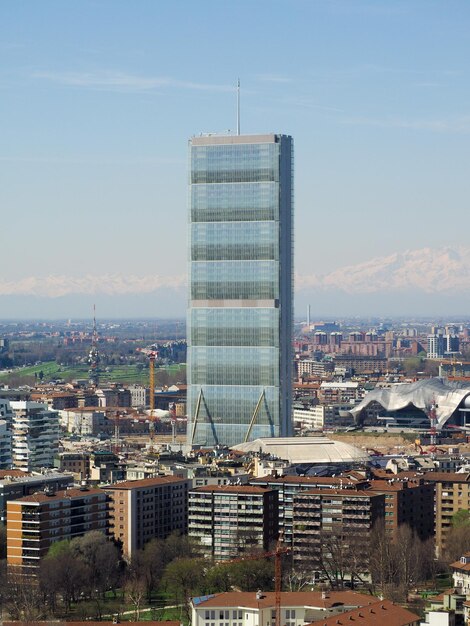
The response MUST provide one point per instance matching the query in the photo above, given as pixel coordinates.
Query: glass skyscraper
(240, 288)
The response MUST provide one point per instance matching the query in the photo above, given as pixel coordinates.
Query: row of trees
(88, 577)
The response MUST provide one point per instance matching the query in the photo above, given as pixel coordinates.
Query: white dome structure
(311, 450)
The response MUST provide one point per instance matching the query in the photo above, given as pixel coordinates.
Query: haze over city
(98, 100)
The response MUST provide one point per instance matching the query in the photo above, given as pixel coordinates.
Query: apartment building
(35, 522)
(344, 514)
(229, 519)
(331, 393)
(289, 486)
(35, 430)
(362, 364)
(452, 494)
(78, 463)
(323, 417)
(57, 400)
(309, 367)
(141, 510)
(139, 396)
(5, 445)
(15, 484)
(407, 502)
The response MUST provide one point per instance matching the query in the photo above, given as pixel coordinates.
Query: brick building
(407, 502)
(142, 510)
(289, 486)
(452, 494)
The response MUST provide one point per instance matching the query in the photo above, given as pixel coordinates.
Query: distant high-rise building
(436, 345)
(240, 300)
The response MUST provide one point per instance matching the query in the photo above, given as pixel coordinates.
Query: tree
(458, 538)
(3, 542)
(178, 546)
(135, 590)
(101, 557)
(23, 599)
(64, 574)
(253, 575)
(150, 563)
(249, 575)
(183, 579)
(461, 518)
(400, 561)
(412, 365)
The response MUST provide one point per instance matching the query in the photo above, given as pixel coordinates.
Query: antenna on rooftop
(238, 107)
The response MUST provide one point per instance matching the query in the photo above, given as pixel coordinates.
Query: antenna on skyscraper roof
(238, 107)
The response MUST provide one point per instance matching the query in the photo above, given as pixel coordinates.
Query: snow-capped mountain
(430, 270)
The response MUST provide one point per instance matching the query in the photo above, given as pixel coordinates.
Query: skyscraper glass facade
(240, 294)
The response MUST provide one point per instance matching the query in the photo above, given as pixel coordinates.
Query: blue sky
(99, 97)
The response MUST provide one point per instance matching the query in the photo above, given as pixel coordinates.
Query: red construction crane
(277, 554)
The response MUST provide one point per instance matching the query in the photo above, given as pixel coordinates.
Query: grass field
(126, 374)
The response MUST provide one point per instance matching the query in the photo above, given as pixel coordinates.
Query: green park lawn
(126, 374)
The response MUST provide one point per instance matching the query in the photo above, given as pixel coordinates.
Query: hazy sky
(99, 97)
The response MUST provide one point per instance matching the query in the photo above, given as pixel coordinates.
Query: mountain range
(415, 278)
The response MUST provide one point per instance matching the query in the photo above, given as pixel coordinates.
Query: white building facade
(35, 435)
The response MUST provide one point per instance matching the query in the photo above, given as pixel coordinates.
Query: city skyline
(98, 100)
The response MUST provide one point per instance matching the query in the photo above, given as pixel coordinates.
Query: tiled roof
(309, 480)
(447, 477)
(88, 623)
(13, 472)
(60, 495)
(145, 482)
(311, 599)
(463, 567)
(383, 612)
(345, 493)
(241, 489)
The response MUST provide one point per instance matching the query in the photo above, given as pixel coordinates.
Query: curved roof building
(311, 450)
(449, 398)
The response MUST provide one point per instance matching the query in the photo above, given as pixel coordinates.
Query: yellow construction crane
(152, 356)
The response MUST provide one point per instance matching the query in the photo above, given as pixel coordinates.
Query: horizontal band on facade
(235, 304)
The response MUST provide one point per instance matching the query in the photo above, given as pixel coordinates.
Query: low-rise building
(235, 608)
(77, 463)
(461, 573)
(383, 612)
(142, 510)
(229, 519)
